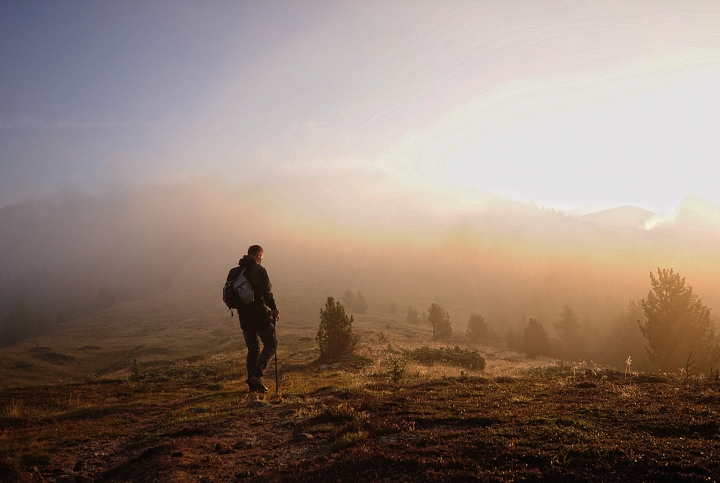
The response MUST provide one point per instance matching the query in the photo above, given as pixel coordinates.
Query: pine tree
(678, 324)
(335, 335)
(361, 304)
(477, 328)
(413, 316)
(348, 299)
(440, 321)
(625, 338)
(536, 341)
(567, 327)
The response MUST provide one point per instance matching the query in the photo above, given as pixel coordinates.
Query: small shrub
(136, 370)
(335, 414)
(397, 367)
(454, 356)
(348, 439)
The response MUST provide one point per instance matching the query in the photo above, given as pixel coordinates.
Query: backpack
(237, 290)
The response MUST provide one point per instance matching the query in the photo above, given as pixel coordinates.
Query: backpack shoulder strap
(234, 273)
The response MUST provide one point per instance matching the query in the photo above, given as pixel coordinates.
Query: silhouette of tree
(440, 321)
(567, 327)
(477, 328)
(625, 338)
(513, 337)
(536, 341)
(413, 315)
(361, 304)
(348, 299)
(677, 324)
(335, 335)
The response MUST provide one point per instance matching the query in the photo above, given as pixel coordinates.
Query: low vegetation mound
(39, 350)
(452, 356)
(55, 358)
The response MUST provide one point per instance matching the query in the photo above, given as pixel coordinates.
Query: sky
(571, 105)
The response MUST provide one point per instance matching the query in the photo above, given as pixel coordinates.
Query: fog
(501, 258)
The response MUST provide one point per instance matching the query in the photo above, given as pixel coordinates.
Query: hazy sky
(568, 104)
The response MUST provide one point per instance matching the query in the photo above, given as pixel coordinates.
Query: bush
(440, 321)
(55, 358)
(335, 335)
(477, 328)
(454, 356)
(397, 367)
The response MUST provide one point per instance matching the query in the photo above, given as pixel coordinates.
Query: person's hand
(276, 314)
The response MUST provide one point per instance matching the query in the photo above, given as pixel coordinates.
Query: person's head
(256, 253)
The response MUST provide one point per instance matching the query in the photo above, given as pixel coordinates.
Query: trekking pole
(277, 375)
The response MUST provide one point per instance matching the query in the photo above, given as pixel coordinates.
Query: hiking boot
(256, 385)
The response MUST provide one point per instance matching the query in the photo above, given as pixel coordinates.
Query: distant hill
(624, 217)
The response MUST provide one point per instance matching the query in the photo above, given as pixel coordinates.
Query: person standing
(258, 319)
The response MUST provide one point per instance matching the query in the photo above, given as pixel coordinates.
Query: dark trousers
(257, 361)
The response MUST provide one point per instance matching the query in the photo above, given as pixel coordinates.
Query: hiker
(258, 319)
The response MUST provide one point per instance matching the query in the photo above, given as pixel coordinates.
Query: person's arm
(265, 288)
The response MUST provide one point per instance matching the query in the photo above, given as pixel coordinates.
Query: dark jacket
(257, 316)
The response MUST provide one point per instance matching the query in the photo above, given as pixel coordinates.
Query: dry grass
(434, 422)
(355, 412)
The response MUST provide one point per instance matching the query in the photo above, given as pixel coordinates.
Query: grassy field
(145, 391)
(192, 420)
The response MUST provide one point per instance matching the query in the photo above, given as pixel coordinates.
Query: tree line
(670, 329)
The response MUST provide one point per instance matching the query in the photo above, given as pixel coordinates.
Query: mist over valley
(503, 259)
